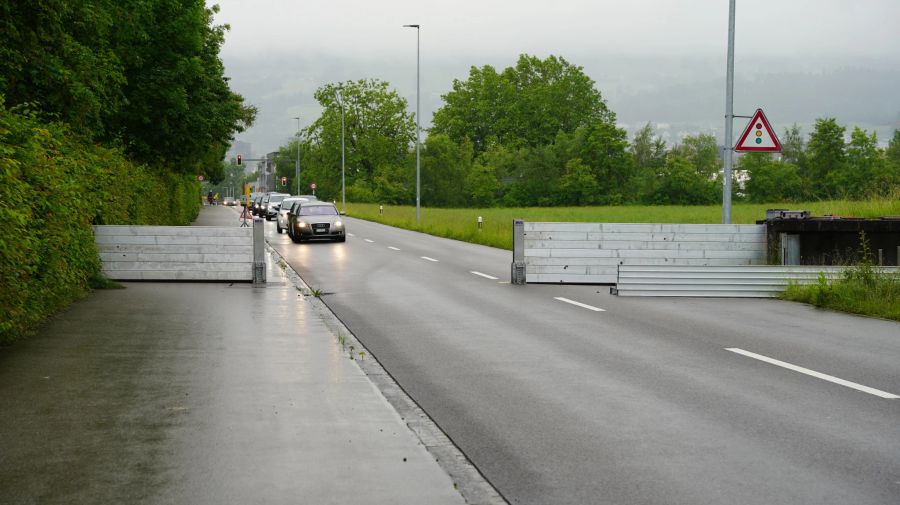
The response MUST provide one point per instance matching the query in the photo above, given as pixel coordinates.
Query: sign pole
(729, 119)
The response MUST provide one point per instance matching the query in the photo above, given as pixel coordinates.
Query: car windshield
(288, 202)
(276, 198)
(318, 210)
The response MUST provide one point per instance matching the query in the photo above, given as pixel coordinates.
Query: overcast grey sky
(279, 51)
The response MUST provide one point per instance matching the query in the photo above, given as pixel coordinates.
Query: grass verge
(461, 224)
(863, 289)
(877, 297)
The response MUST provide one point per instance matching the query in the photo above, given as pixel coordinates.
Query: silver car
(316, 220)
(286, 204)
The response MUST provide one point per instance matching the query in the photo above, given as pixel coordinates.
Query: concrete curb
(471, 484)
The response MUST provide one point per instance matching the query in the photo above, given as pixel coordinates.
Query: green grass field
(461, 224)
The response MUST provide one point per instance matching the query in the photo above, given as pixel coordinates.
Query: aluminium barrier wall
(746, 281)
(176, 253)
(591, 253)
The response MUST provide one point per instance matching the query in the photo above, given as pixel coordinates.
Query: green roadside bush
(863, 289)
(53, 187)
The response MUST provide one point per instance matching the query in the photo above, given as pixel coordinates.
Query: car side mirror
(342, 213)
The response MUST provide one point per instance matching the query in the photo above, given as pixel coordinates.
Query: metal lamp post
(729, 119)
(418, 130)
(297, 164)
(340, 99)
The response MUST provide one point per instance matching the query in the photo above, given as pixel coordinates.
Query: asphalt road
(647, 401)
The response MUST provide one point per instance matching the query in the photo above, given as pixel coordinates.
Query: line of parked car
(304, 217)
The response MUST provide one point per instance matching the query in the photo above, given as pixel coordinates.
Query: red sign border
(761, 117)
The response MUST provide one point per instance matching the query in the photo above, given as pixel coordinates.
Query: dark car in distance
(315, 220)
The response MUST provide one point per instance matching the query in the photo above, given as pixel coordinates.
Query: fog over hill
(679, 95)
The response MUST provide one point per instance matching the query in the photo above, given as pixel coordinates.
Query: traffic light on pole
(239, 159)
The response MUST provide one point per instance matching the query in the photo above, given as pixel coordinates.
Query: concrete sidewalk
(202, 393)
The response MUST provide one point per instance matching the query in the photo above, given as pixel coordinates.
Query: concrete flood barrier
(591, 253)
(176, 253)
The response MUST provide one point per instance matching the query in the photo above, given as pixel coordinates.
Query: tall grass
(461, 224)
(863, 289)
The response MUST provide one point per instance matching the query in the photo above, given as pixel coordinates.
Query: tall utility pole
(418, 129)
(729, 119)
(297, 164)
(340, 99)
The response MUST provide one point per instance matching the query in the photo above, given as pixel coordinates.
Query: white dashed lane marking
(813, 373)
(369, 241)
(486, 276)
(393, 248)
(579, 304)
(428, 259)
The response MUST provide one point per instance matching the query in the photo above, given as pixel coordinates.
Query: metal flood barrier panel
(748, 281)
(591, 253)
(175, 253)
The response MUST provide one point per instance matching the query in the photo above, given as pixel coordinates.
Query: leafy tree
(866, 172)
(534, 174)
(893, 150)
(525, 105)
(444, 167)
(649, 155)
(179, 109)
(61, 57)
(482, 186)
(378, 134)
(681, 184)
(603, 148)
(578, 186)
(703, 153)
(825, 155)
(395, 184)
(770, 180)
(141, 74)
(793, 148)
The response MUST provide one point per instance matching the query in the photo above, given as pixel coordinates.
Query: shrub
(53, 187)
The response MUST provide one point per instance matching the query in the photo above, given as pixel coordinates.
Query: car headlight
(301, 224)
(338, 224)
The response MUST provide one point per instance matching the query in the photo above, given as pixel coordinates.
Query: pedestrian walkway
(201, 393)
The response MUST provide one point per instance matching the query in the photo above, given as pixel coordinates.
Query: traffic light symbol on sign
(758, 136)
(284, 181)
(239, 159)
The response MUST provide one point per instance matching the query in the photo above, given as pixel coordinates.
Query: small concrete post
(381, 209)
(259, 252)
(480, 222)
(517, 269)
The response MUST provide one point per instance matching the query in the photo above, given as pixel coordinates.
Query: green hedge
(53, 187)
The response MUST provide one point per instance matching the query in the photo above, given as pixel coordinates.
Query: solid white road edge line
(427, 258)
(582, 305)
(486, 276)
(369, 241)
(813, 373)
(393, 248)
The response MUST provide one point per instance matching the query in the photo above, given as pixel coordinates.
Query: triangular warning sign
(758, 136)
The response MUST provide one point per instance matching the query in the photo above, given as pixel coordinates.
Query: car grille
(320, 227)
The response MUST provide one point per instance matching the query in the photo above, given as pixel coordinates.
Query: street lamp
(729, 119)
(297, 164)
(340, 100)
(418, 130)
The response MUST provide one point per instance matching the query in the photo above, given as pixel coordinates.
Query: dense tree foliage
(141, 74)
(525, 105)
(108, 110)
(540, 134)
(378, 133)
